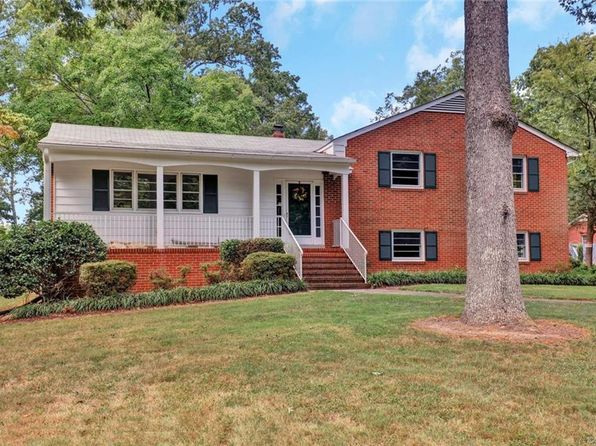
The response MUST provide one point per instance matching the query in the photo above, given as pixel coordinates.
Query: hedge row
(399, 278)
(158, 298)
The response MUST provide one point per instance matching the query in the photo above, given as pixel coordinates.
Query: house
(390, 195)
(577, 233)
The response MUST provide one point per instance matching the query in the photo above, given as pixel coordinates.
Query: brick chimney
(278, 131)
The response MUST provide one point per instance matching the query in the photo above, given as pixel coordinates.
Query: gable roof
(450, 103)
(88, 136)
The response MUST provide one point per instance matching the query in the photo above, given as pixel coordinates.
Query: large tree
(428, 85)
(493, 291)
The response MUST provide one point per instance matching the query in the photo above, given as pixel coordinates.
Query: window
(191, 188)
(522, 246)
(122, 187)
(407, 245)
(405, 169)
(170, 188)
(519, 173)
(146, 191)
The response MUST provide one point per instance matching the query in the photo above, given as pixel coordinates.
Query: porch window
(406, 169)
(146, 191)
(407, 245)
(170, 189)
(122, 187)
(191, 188)
(522, 246)
(519, 174)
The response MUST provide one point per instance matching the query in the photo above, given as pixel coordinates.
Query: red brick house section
(373, 208)
(150, 259)
(577, 231)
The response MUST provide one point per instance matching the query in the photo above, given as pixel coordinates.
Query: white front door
(303, 210)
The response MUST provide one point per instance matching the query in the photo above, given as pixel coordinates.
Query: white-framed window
(136, 190)
(406, 170)
(408, 245)
(522, 246)
(518, 166)
(122, 190)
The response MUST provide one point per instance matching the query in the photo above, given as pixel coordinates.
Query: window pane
(122, 190)
(407, 245)
(191, 187)
(518, 173)
(406, 169)
(521, 246)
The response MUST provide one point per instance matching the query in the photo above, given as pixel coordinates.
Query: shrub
(220, 271)
(107, 277)
(268, 265)
(45, 257)
(235, 251)
(398, 278)
(219, 292)
(162, 280)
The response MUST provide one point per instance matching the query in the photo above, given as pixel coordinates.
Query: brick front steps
(330, 268)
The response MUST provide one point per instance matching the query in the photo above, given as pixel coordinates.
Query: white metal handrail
(291, 246)
(353, 248)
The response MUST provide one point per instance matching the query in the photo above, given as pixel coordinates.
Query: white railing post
(353, 248)
(47, 188)
(291, 246)
(345, 198)
(160, 239)
(256, 203)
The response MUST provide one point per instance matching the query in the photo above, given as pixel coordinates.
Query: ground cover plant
(313, 368)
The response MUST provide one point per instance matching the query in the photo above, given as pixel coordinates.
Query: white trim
(526, 245)
(420, 184)
(47, 187)
(256, 203)
(345, 198)
(160, 220)
(524, 159)
(421, 258)
(343, 139)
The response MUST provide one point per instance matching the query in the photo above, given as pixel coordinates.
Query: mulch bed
(538, 331)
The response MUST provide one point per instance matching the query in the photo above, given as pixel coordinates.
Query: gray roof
(114, 137)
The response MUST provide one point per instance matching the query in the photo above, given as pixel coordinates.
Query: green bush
(45, 257)
(235, 251)
(399, 278)
(219, 292)
(268, 265)
(162, 280)
(107, 277)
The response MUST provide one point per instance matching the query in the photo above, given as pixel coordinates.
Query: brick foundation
(151, 259)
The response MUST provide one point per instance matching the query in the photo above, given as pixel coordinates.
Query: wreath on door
(299, 193)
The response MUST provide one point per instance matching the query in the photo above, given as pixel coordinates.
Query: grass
(532, 291)
(6, 304)
(310, 368)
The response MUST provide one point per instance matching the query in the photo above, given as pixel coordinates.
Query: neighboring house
(578, 230)
(391, 194)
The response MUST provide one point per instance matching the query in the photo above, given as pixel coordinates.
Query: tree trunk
(588, 248)
(493, 292)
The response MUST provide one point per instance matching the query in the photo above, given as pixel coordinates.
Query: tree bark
(589, 246)
(493, 291)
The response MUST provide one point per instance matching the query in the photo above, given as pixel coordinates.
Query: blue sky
(350, 54)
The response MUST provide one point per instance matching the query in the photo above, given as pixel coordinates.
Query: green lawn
(312, 368)
(535, 291)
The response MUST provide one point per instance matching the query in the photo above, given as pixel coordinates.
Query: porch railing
(204, 229)
(291, 246)
(344, 237)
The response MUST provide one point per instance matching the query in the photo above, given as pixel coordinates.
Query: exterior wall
(149, 260)
(443, 209)
(332, 205)
(576, 233)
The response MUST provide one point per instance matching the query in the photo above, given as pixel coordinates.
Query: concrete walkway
(405, 292)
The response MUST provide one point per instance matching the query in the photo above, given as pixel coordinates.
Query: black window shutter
(535, 249)
(533, 175)
(101, 190)
(385, 248)
(384, 169)
(430, 171)
(430, 245)
(210, 200)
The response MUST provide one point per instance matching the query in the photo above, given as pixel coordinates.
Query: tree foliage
(583, 10)
(427, 86)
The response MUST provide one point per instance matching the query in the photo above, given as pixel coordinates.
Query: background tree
(428, 85)
(583, 10)
(582, 196)
(493, 291)
(18, 157)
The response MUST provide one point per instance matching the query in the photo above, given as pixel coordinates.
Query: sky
(349, 54)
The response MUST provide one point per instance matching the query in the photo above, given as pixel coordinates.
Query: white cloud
(373, 21)
(349, 113)
(534, 13)
(282, 18)
(419, 58)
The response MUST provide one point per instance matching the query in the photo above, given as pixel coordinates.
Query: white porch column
(256, 203)
(47, 189)
(159, 208)
(345, 199)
